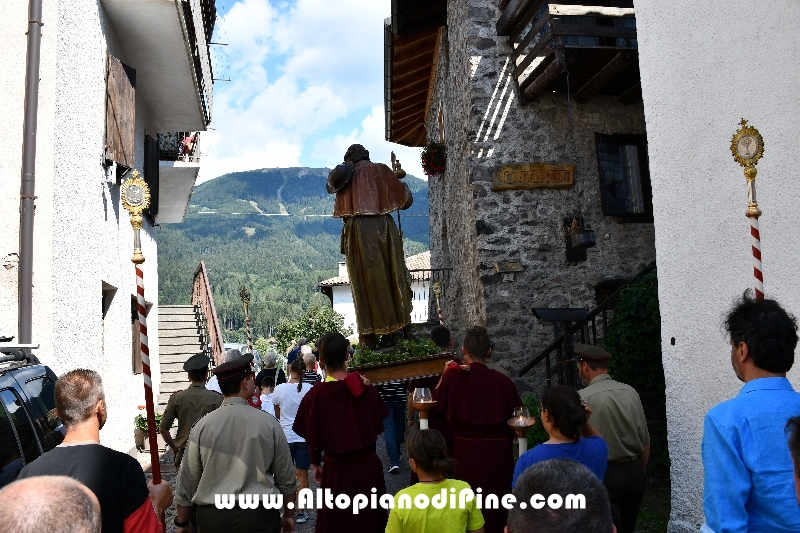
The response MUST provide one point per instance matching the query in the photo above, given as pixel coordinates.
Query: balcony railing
(199, 18)
(586, 50)
(179, 146)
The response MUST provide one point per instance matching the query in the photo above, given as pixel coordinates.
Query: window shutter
(151, 172)
(120, 111)
(614, 190)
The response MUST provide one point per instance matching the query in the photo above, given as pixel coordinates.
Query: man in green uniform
(618, 416)
(239, 451)
(188, 406)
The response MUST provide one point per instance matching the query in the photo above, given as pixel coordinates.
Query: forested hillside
(271, 230)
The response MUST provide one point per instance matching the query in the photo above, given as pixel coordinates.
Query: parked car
(29, 425)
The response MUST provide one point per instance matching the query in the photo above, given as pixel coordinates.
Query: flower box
(418, 367)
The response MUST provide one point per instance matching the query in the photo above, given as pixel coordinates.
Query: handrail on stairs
(561, 344)
(202, 298)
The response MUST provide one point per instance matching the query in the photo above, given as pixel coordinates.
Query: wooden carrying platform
(419, 367)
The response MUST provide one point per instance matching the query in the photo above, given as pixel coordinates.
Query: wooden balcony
(586, 50)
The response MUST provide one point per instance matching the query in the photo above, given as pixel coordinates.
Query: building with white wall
(705, 66)
(338, 290)
(114, 74)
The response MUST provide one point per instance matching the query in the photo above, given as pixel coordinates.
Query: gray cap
(196, 362)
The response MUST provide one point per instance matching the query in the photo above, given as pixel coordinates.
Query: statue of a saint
(366, 194)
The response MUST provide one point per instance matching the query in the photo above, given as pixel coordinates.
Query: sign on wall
(534, 176)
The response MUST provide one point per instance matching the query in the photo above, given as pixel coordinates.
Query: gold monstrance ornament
(747, 147)
(135, 196)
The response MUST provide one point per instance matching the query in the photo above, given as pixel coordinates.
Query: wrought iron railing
(179, 146)
(583, 331)
(197, 17)
(202, 299)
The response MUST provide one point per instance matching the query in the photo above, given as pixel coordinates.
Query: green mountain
(270, 230)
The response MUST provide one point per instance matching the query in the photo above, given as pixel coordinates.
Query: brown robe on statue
(343, 428)
(478, 404)
(373, 247)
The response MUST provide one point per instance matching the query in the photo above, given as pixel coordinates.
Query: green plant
(537, 434)
(311, 325)
(634, 340)
(407, 349)
(434, 159)
(140, 421)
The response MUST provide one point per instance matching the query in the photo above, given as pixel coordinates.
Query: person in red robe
(341, 419)
(478, 402)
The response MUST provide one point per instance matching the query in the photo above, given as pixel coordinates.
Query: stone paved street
(394, 481)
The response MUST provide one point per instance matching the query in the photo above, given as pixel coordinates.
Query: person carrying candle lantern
(478, 402)
(429, 460)
(566, 420)
(340, 420)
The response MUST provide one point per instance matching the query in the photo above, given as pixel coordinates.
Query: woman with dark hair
(566, 421)
(287, 398)
(416, 509)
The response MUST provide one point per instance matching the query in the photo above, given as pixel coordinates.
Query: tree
(311, 325)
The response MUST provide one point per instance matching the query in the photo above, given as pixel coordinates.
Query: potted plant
(581, 236)
(407, 360)
(434, 159)
(140, 427)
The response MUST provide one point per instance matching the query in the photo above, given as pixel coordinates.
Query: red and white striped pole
(747, 147)
(249, 335)
(135, 196)
(244, 294)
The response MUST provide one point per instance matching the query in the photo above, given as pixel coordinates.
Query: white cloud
(296, 70)
(371, 135)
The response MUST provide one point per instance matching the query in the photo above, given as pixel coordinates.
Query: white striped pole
(148, 377)
(757, 272)
(249, 335)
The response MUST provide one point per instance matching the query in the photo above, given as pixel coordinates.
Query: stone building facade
(475, 102)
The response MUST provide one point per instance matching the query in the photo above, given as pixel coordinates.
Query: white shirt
(288, 399)
(213, 384)
(266, 404)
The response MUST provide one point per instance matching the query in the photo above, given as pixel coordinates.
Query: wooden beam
(410, 108)
(534, 52)
(604, 76)
(432, 79)
(540, 83)
(399, 122)
(514, 11)
(410, 90)
(592, 31)
(408, 47)
(401, 133)
(411, 100)
(591, 11)
(422, 137)
(531, 35)
(411, 78)
(632, 94)
(421, 62)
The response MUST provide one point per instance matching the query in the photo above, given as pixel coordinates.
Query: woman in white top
(286, 399)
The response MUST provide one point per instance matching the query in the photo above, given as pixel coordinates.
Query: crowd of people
(598, 446)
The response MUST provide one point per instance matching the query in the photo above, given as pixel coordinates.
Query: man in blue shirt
(748, 468)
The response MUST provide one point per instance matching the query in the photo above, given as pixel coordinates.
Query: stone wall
(485, 126)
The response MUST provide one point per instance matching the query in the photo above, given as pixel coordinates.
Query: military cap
(591, 354)
(198, 361)
(235, 367)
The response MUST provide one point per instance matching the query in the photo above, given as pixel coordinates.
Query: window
(11, 461)
(151, 173)
(624, 172)
(48, 426)
(19, 418)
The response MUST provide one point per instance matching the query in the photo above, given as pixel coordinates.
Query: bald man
(49, 503)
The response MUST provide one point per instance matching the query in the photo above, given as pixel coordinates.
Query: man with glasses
(618, 416)
(236, 450)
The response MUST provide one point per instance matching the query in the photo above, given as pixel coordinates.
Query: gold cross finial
(743, 122)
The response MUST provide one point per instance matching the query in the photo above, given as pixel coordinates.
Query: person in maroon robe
(341, 419)
(478, 402)
(437, 420)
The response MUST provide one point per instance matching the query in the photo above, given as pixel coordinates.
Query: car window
(18, 416)
(48, 426)
(11, 461)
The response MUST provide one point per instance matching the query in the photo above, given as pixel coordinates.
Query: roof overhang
(411, 42)
(165, 41)
(175, 183)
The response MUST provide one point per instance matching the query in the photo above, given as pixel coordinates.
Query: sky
(306, 82)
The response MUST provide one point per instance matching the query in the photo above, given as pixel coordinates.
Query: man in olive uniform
(188, 406)
(618, 416)
(236, 450)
